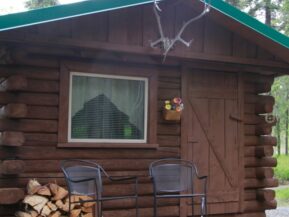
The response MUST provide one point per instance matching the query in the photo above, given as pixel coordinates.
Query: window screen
(107, 108)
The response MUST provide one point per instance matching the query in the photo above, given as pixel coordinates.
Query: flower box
(172, 115)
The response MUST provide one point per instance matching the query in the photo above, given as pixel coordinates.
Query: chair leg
(136, 206)
(155, 206)
(192, 206)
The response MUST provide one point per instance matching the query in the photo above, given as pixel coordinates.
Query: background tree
(35, 4)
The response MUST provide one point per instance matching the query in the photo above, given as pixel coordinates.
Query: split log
(250, 206)
(11, 138)
(11, 195)
(60, 194)
(260, 162)
(75, 212)
(22, 214)
(52, 206)
(33, 213)
(256, 151)
(36, 201)
(260, 183)
(14, 83)
(12, 167)
(259, 173)
(32, 186)
(44, 191)
(56, 214)
(45, 211)
(13, 110)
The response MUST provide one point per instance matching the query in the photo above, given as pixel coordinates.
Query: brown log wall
(29, 123)
(258, 145)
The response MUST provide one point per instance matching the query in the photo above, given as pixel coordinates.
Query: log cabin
(52, 60)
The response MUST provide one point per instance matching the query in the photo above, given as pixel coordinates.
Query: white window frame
(146, 80)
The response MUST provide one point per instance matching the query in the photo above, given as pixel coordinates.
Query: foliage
(282, 196)
(273, 12)
(36, 4)
(282, 169)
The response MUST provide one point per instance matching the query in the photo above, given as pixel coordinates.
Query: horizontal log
(260, 129)
(13, 110)
(257, 119)
(29, 98)
(42, 86)
(11, 195)
(259, 195)
(29, 72)
(252, 214)
(169, 129)
(14, 83)
(29, 125)
(11, 138)
(259, 151)
(144, 202)
(264, 140)
(42, 112)
(260, 183)
(259, 99)
(250, 206)
(53, 153)
(264, 107)
(260, 162)
(168, 141)
(12, 167)
(167, 93)
(257, 88)
(259, 172)
(258, 78)
(41, 139)
(249, 108)
(165, 211)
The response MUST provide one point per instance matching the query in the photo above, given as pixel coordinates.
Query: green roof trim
(60, 12)
(250, 22)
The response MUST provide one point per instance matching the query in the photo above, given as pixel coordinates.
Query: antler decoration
(166, 42)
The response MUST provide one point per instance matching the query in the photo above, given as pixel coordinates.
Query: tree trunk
(268, 13)
(278, 132)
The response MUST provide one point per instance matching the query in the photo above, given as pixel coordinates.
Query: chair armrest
(118, 178)
(202, 177)
(81, 180)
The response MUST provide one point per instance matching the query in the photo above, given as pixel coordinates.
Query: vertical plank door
(213, 125)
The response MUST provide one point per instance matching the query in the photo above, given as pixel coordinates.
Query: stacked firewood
(52, 200)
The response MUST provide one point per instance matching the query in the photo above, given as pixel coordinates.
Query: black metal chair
(86, 178)
(173, 178)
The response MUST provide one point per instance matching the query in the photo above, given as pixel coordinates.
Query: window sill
(106, 145)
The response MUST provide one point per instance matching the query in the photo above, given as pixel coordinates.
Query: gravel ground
(279, 212)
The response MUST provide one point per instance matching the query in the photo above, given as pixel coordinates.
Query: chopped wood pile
(52, 200)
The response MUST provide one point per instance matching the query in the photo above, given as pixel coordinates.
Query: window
(103, 105)
(107, 108)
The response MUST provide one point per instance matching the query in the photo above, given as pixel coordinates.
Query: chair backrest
(77, 170)
(172, 175)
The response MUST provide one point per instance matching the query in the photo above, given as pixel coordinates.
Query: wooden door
(214, 133)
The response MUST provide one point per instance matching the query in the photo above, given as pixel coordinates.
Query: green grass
(282, 196)
(282, 169)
